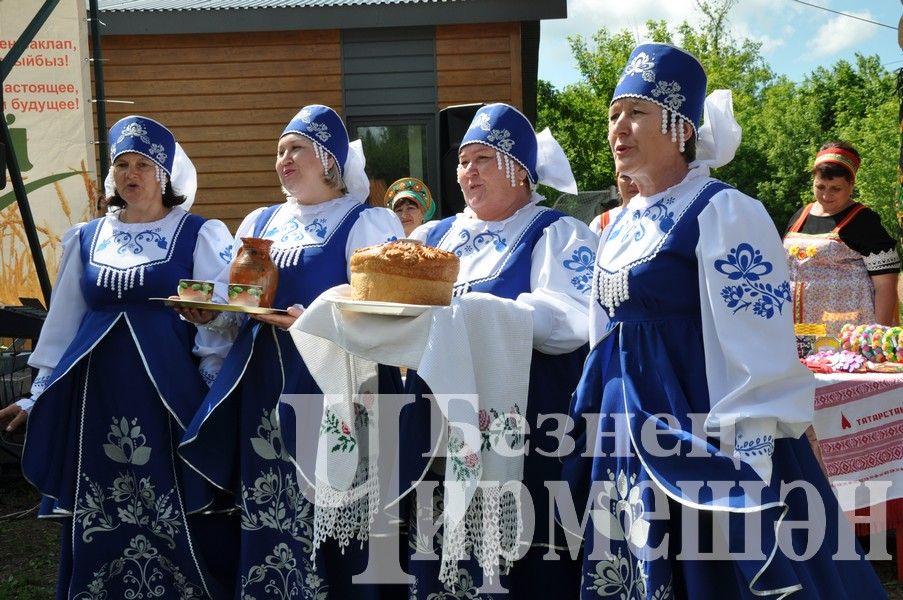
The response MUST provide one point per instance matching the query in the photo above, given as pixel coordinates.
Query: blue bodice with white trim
(512, 276)
(307, 258)
(128, 263)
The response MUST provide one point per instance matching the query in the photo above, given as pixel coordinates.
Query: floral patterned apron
(830, 282)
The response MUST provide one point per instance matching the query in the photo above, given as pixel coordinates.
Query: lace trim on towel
(491, 531)
(347, 514)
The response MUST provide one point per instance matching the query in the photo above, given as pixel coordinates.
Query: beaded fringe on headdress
(675, 131)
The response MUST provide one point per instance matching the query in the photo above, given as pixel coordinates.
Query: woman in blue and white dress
(243, 438)
(511, 247)
(697, 466)
(120, 378)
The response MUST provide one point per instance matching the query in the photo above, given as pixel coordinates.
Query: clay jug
(253, 266)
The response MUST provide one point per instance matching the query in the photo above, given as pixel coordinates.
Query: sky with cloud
(796, 38)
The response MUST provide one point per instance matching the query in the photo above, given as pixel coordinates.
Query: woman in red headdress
(843, 263)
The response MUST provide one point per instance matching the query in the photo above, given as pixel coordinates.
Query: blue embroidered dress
(242, 439)
(544, 259)
(118, 382)
(691, 329)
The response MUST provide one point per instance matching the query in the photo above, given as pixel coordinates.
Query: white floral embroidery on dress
(133, 500)
(140, 569)
(621, 517)
(275, 503)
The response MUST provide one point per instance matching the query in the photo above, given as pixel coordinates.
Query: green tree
(578, 114)
(778, 135)
(856, 103)
(783, 122)
(865, 112)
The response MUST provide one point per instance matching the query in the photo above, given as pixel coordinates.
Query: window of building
(396, 147)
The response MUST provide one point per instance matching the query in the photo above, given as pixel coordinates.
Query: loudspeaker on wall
(453, 124)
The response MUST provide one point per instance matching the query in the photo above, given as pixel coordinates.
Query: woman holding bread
(243, 438)
(511, 247)
(120, 378)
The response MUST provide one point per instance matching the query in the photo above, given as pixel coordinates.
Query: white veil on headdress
(552, 166)
(720, 134)
(355, 178)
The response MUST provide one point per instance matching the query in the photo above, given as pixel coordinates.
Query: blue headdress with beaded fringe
(670, 77)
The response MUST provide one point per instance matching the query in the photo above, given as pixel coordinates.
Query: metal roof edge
(234, 20)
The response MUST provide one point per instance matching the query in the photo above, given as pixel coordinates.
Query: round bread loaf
(404, 271)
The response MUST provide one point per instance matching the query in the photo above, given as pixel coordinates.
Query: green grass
(23, 587)
(29, 548)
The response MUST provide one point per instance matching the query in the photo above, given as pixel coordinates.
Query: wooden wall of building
(479, 63)
(226, 97)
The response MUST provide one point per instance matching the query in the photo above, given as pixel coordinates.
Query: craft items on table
(892, 344)
(842, 361)
(863, 347)
(806, 334)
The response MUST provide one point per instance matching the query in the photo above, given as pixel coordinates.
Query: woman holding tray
(120, 378)
(243, 437)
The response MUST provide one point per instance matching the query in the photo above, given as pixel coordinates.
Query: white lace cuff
(209, 368)
(755, 444)
(25, 404)
(879, 261)
(225, 324)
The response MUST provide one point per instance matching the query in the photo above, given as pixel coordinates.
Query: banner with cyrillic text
(47, 108)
